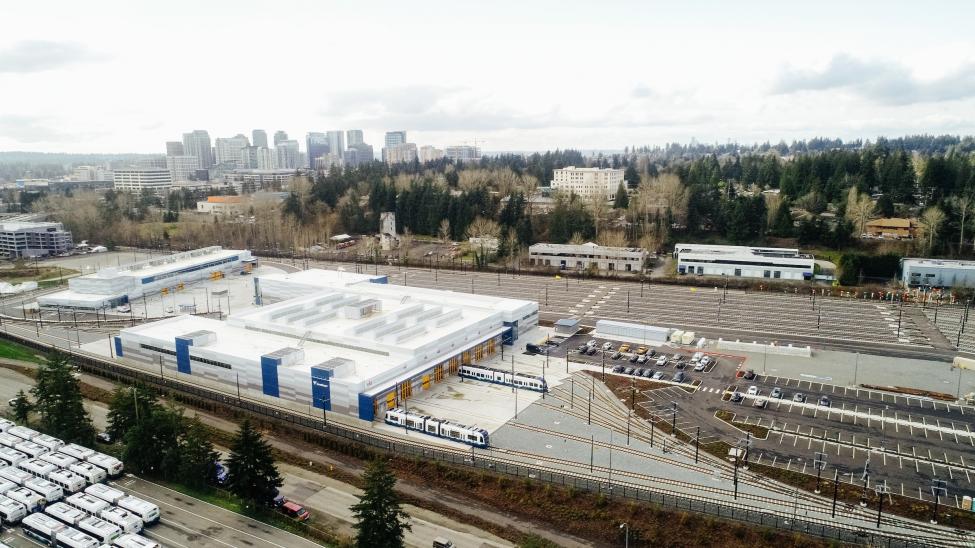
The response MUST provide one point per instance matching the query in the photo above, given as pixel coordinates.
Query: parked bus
(6, 425)
(32, 449)
(90, 472)
(76, 451)
(135, 541)
(63, 512)
(42, 527)
(23, 432)
(31, 500)
(125, 520)
(58, 459)
(68, 481)
(73, 538)
(87, 503)
(44, 488)
(12, 456)
(105, 532)
(148, 512)
(110, 464)
(50, 442)
(15, 475)
(104, 492)
(11, 511)
(39, 468)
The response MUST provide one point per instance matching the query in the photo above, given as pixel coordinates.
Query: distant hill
(66, 158)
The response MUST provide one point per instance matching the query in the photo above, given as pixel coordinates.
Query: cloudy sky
(99, 76)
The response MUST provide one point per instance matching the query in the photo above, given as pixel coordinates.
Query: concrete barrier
(799, 351)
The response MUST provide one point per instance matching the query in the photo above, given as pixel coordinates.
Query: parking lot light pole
(697, 443)
(589, 418)
(626, 538)
(820, 463)
(836, 489)
(572, 393)
(881, 490)
(866, 481)
(673, 425)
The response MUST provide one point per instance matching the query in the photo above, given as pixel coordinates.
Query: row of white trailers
(68, 506)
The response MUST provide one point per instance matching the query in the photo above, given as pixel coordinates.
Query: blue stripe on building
(183, 354)
(366, 410)
(379, 280)
(269, 375)
(118, 347)
(321, 388)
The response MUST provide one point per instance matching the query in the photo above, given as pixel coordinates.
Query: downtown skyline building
(280, 136)
(229, 149)
(288, 155)
(197, 143)
(259, 138)
(316, 146)
(353, 137)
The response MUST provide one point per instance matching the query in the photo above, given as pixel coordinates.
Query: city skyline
(750, 73)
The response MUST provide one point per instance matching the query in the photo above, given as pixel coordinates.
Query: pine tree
(380, 521)
(59, 402)
(127, 405)
(251, 472)
(153, 444)
(198, 456)
(622, 199)
(21, 408)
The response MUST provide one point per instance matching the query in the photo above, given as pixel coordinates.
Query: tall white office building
(197, 143)
(393, 139)
(430, 153)
(353, 137)
(316, 146)
(259, 138)
(229, 149)
(463, 153)
(587, 182)
(400, 154)
(287, 155)
(257, 157)
(182, 168)
(336, 142)
(280, 136)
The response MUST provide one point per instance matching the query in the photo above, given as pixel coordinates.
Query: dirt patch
(911, 392)
(759, 432)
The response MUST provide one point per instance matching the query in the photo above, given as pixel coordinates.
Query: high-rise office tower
(228, 149)
(280, 137)
(358, 154)
(259, 138)
(197, 143)
(256, 157)
(174, 148)
(316, 146)
(353, 137)
(287, 155)
(336, 143)
(393, 139)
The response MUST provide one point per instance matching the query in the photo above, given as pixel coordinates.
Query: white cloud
(41, 55)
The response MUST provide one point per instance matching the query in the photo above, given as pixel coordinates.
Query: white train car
(67, 480)
(50, 491)
(125, 520)
(471, 435)
(58, 459)
(110, 464)
(50, 442)
(500, 376)
(90, 472)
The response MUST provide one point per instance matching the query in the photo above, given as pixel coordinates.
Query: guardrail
(781, 520)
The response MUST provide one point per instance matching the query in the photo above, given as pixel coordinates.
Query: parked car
(634, 358)
(624, 347)
(607, 346)
(680, 365)
(647, 372)
(824, 401)
(641, 350)
(658, 375)
(592, 342)
(295, 511)
(705, 361)
(592, 350)
(776, 393)
(104, 437)
(641, 359)
(638, 371)
(661, 361)
(750, 374)
(618, 369)
(651, 353)
(697, 357)
(124, 308)
(737, 396)
(753, 390)
(760, 403)
(700, 366)
(628, 371)
(583, 349)
(534, 348)
(799, 397)
(680, 376)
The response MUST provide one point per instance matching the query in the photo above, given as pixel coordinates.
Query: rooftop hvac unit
(362, 309)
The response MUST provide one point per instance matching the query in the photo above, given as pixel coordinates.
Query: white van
(147, 511)
(105, 532)
(31, 500)
(90, 472)
(32, 449)
(111, 464)
(38, 467)
(11, 511)
(50, 442)
(697, 357)
(15, 475)
(76, 451)
(44, 488)
(134, 541)
(104, 492)
(127, 521)
(23, 432)
(87, 503)
(12, 456)
(58, 459)
(64, 513)
(67, 480)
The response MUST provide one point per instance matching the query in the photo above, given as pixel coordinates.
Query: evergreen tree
(58, 401)
(380, 521)
(127, 405)
(631, 177)
(782, 223)
(21, 408)
(251, 472)
(622, 199)
(153, 444)
(198, 456)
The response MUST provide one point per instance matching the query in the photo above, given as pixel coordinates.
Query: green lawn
(14, 351)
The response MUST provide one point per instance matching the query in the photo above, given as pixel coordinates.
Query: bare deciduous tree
(613, 238)
(930, 224)
(443, 231)
(964, 206)
(859, 208)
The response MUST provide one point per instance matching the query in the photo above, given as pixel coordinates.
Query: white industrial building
(937, 273)
(582, 256)
(331, 340)
(28, 239)
(113, 286)
(744, 261)
(588, 182)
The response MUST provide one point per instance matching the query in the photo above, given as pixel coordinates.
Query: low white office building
(744, 261)
(587, 182)
(917, 272)
(137, 179)
(336, 341)
(114, 286)
(581, 257)
(29, 239)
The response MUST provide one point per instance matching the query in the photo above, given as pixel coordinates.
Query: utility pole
(836, 489)
(939, 488)
(866, 480)
(881, 489)
(673, 425)
(819, 463)
(697, 443)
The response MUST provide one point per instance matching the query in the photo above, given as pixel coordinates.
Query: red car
(295, 510)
